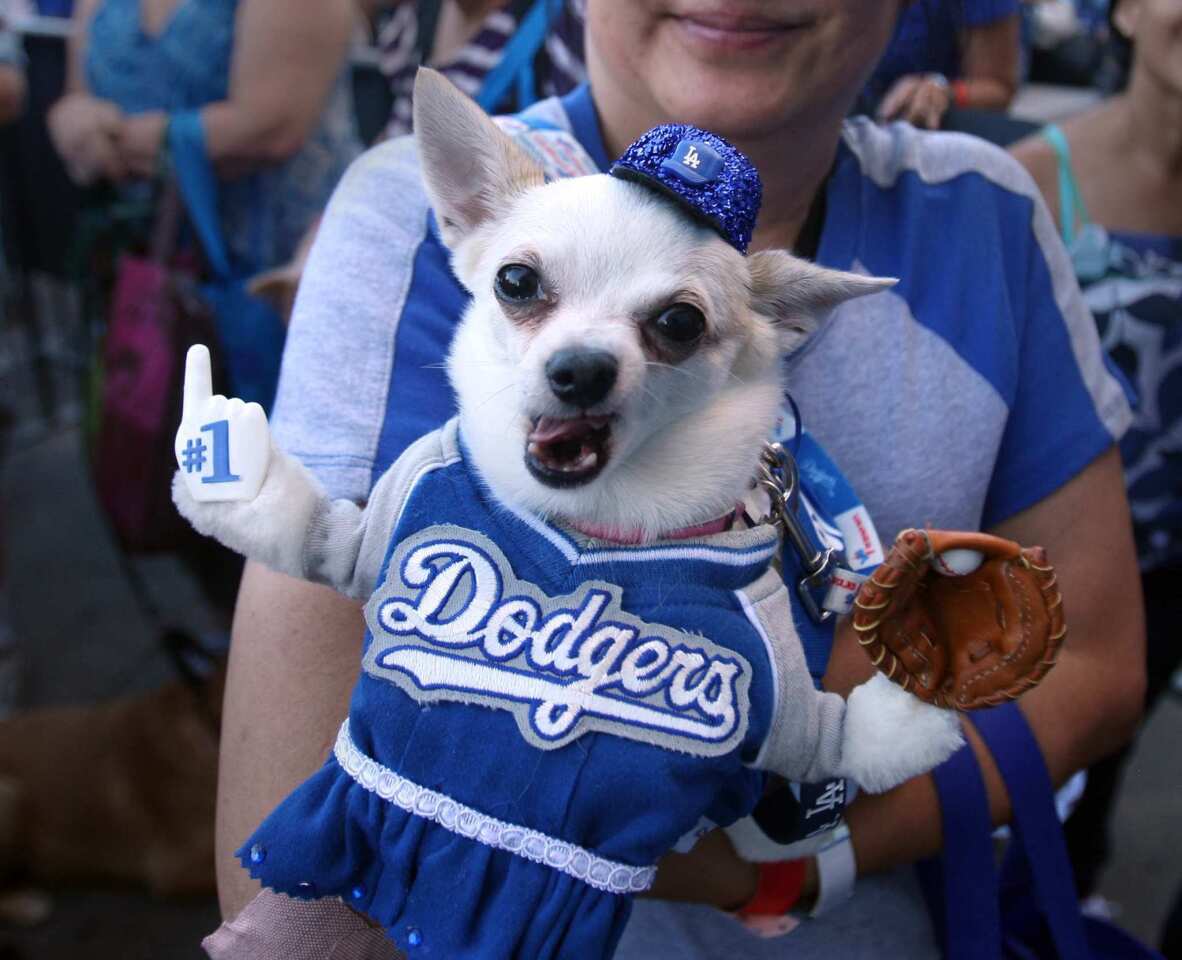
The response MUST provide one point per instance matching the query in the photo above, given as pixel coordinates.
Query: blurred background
(114, 621)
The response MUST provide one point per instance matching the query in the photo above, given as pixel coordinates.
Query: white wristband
(836, 872)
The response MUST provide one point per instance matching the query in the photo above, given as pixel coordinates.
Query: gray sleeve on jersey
(879, 737)
(342, 341)
(804, 740)
(346, 544)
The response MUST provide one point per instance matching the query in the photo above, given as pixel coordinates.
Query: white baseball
(958, 562)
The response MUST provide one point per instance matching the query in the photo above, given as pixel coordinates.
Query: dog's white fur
(686, 437)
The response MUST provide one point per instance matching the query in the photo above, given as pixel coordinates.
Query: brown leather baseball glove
(961, 641)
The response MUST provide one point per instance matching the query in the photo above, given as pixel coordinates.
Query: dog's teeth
(586, 461)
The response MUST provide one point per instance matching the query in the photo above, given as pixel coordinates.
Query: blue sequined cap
(702, 173)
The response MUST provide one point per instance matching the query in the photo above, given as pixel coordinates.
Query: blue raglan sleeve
(1065, 405)
(362, 374)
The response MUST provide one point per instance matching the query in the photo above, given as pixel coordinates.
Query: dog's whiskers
(692, 374)
(496, 393)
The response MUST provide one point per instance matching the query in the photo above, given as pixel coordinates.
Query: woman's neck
(1152, 120)
(793, 163)
(791, 179)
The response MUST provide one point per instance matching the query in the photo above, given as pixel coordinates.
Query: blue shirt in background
(928, 39)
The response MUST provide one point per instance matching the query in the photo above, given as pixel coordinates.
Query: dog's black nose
(581, 377)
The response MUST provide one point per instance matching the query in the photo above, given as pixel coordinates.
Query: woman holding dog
(972, 395)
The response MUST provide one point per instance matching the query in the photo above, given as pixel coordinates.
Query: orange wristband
(960, 93)
(780, 887)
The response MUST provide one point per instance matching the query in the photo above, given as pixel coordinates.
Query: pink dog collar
(632, 537)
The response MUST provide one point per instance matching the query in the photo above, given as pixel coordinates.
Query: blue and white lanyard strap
(825, 587)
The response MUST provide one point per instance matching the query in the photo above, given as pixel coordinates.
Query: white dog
(617, 373)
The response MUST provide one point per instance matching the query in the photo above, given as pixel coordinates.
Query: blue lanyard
(516, 64)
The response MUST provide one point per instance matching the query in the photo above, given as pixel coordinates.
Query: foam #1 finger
(250, 446)
(198, 387)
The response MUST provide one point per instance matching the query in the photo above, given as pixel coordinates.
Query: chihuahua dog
(547, 573)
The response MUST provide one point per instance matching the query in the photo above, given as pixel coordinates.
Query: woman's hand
(920, 99)
(139, 140)
(85, 132)
(710, 873)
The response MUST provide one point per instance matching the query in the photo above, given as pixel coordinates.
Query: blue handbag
(1029, 910)
(250, 333)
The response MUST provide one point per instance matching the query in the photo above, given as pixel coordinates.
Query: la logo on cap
(694, 162)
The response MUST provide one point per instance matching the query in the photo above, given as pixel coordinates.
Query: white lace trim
(567, 857)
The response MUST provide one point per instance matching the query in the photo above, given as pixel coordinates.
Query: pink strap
(633, 537)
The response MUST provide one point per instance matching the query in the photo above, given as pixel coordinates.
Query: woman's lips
(735, 33)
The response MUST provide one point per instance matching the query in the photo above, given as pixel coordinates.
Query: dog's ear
(795, 294)
(471, 169)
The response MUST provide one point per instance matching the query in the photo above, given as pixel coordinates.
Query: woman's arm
(990, 65)
(988, 80)
(1087, 706)
(293, 663)
(287, 57)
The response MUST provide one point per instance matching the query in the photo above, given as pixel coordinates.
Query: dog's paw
(891, 736)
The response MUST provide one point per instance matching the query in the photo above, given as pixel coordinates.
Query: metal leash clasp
(778, 476)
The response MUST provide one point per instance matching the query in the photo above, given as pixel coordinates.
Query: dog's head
(619, 364)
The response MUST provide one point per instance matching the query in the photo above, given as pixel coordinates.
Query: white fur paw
(891, 736)
(269, 528)
(206, 517)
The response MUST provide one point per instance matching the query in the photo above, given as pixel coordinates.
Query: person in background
(1113, 180)
(933, 398)
(270, 78)
(945, 53)
(1068, 43)
(466, 39)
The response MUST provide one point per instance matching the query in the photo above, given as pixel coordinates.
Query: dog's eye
(516, 282)
(680, 323)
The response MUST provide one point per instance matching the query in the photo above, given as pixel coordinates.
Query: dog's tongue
(549, 429)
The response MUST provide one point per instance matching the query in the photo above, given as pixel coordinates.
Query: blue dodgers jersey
(608, 697)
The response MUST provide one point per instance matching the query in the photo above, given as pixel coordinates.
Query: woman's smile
(726, 31)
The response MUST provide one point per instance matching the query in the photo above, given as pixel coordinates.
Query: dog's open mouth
(568, 451)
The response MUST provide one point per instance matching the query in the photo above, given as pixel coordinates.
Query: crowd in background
(204, 139)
